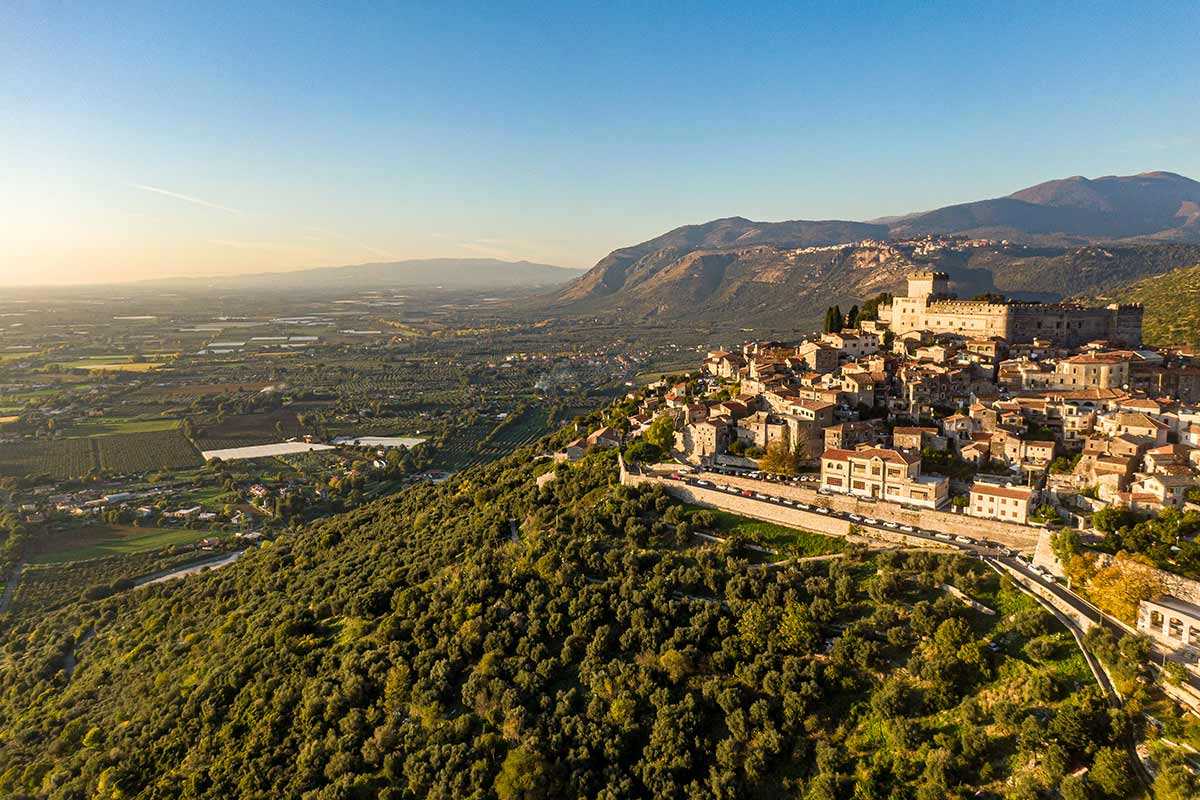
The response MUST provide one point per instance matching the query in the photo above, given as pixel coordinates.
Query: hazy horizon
(148, 142)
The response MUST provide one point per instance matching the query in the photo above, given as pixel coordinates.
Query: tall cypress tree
(852, 317)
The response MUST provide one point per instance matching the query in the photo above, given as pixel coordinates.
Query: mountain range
(1045, 242)
(448, 273)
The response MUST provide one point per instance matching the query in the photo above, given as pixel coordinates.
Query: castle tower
(928, 285)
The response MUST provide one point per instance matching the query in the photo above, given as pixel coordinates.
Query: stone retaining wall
(1019, 537)
(769, 512)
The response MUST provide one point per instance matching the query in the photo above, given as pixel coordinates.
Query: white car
(945, 536)
(964, 539)
(805, 506)
(871, 521)
(822, 510)
(906, 528)
(760, 496)
(890, 525)
(787, 502)
(703, 483)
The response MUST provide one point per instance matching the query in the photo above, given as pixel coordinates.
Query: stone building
(882, 474)
(1171, 621)
(1005, 503)
(929, 306)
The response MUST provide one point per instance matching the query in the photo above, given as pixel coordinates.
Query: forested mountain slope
(1172, 302)
(411, 649)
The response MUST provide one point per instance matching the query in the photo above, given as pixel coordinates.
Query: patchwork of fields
(119, 453)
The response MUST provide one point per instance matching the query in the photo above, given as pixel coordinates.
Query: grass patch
(96, 541)
(106, 426)
(788, 541)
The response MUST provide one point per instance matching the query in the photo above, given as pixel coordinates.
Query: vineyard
(64, 458)
(486, 440)
(120, 453)
(142, 452)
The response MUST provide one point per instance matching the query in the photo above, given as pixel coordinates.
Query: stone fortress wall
(929, 306)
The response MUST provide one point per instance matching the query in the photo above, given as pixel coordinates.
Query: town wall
(1019, 537)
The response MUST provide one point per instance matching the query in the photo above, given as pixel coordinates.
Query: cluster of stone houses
(866, 404)
(606, 438)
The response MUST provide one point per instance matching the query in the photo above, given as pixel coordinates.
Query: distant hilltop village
(929, 306)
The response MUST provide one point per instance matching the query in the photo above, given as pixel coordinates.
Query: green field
(788, 541)
(104, 426)
(96, 541)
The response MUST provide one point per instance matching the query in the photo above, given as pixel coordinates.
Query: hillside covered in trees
(1172, 302)
(416, 647)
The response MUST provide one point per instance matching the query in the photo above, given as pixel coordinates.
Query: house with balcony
(878, 473)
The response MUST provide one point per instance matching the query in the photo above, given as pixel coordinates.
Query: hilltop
(1037, 243)
(412, 648)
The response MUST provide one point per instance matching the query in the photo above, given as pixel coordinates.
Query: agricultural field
(243, 430)
(104, 426)
(102, 540)
(61, 459)
(119, 453)
(489, 439)
(149, 450)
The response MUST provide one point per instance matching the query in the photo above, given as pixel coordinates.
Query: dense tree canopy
(411, 649)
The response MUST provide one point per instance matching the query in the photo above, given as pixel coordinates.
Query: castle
(929, 306)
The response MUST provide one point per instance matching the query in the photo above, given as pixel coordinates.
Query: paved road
(981, 549)
(188, 569)
(991, 553)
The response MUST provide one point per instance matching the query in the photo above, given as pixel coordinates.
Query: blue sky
(154, 139)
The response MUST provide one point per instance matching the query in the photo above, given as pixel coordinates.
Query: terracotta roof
(890, 456)
(1017, 493)
(1098, 358)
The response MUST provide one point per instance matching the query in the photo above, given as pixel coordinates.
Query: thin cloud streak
(356, 243)
(483, 249)
(186, 198)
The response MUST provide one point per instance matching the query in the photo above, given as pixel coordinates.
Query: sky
(161, 139)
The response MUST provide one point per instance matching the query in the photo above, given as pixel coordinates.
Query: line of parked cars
(856, 518)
